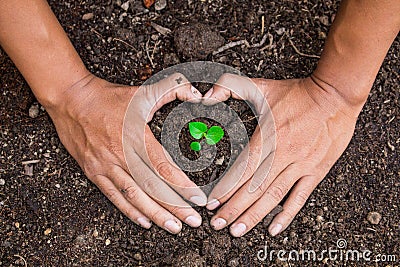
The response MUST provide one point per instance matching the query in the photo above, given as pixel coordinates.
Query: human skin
(88, 114)
(362, 32)
(314, 120)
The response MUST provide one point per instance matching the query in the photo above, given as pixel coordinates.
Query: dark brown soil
(224, 153)
(196, 41)
(56, 217)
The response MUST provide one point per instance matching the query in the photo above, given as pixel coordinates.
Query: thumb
(237, 87)
(175, 86)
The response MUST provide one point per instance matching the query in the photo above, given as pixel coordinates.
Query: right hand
(304, 126)
(90, 125)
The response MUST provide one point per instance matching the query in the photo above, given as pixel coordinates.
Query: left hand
(313, 126)
(104, 127)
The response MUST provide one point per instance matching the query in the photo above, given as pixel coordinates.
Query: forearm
(357, 43)
(39, 47)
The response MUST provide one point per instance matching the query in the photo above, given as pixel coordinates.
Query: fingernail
(238, 229)
(198, 200)
(172, 226)
(144, 222)
(275, 229)
(218, 224)
(193, 221)
(214, 203)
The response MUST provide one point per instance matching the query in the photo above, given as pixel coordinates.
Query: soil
(225, 152)
(56, 217)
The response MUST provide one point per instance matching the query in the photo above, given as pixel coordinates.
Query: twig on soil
(98, 34)
(262, 41)
(154, 49)
(128, 44)
(298, 51)
(270, 42)
(148, 54)
(22, 258)
(252, 118)
(230, 45)
(262, 24)
(30, 162)
(160, 29)
(243, 42)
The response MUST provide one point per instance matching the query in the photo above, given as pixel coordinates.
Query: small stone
(374, 217)
(34, 111)
(234, 262)
(324, 20)
(157, 129)
(125, 6)
(95, 233)
(58, 186)
(148, 3)
(2, 182)
(87, 16)
(220, 161)
(160, 5)
(319, 218)
(108, 242)
(137, 256)
(47, 231)
(280, 31)
(16, 224)
(322, 35)
(236, 63)
(154, 37)
(28, 170)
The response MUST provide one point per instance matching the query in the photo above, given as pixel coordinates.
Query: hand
(313, 126)
(90, 125)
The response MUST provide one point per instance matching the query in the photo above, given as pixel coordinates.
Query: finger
(239, 173)
(238, 87)
(156, 188)
(261, 145)
(162, 163)
(257, 157)
(269, 200)
(296, 200)
(176, 86)
(116, 197)
(251, 205)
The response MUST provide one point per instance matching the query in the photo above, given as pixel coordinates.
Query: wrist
(54, 96)
(69, 98)
(353, 94)
(331, 99)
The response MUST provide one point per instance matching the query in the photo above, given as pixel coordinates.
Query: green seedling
(200, 130)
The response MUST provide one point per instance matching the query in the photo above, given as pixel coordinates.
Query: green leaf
(197, 129)
(195, 146)
(214, 135)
